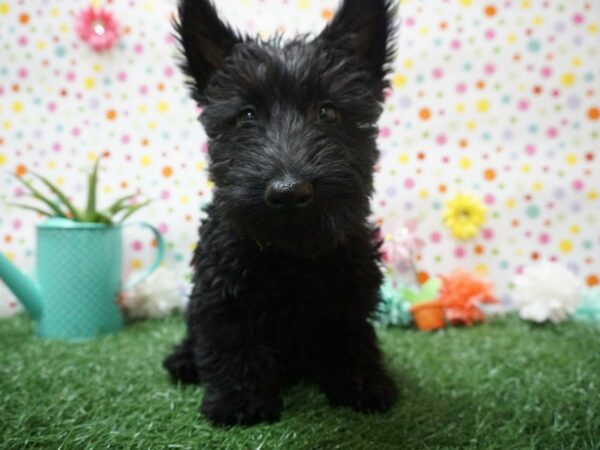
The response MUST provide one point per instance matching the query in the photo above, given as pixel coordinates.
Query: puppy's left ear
(367, 28)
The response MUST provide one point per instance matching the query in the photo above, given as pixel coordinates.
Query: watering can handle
(138, 277)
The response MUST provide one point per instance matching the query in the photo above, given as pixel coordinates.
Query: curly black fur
(285, 295)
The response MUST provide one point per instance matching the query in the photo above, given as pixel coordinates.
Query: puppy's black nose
(288, 193)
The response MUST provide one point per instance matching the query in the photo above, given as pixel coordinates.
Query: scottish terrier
(287, 268)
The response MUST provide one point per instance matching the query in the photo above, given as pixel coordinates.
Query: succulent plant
(61, 206)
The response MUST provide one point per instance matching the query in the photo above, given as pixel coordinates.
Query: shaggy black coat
(284, 294)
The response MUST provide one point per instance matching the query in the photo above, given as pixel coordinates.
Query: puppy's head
(291, 125)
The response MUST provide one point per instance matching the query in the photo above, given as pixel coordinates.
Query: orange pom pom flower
(460, 295)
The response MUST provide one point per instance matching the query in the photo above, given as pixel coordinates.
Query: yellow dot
(200, 166)
(52, 164)
(91, 156)
(511, 203)
(11, 256)
(575, 229)
(7, 125)
(567, 79)
(97, 67)
(303, 4)
(399, 80)
(17, 107)
(460, 107)
(571, 159)
(423, 193)
(184, 199)
(148, 6)
(4, 8)
(89, 83)
(64, 28)
(465, 163)
(41, 45)
(163, 106)
(136, 264)
(408, 63)
(466, 3)
(576, 61)
(483, 105)
(538, 20)
(54, 11)
(592, 195)
(2, 159)
(525, 4)
(566, 246)
(145, 160)
(424, 31)
(538, 186)
(143, 108)
(525, 168)
(481, 269)
(471, 125)
(403, 158)
(210, 184)
(511, 38)
(592, 28)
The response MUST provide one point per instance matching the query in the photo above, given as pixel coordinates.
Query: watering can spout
(22, 286)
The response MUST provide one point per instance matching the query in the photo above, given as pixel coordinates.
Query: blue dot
(534, 45)
(60, 51)
(533, 211)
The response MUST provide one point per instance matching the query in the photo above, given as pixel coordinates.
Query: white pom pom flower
(547, 292)
(164, 292)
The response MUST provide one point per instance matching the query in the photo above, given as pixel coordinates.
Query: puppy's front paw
(368, 393)
(239, 408)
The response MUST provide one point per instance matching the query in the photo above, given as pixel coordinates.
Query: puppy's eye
(247, 115)
(328, 113)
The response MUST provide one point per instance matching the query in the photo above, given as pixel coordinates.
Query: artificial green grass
(503, 385)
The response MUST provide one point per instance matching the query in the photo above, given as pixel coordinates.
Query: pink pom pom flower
(98, 28)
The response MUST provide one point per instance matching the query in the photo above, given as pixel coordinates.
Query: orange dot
(478, 249)
(594, 113)
(442, 188)
(489, 174)
(21, 170)
(490, 11)
(327, 14)
(111, 114)
(424, 114)
(592, 280)
(422, 277)
(167, 171)
(24, 18)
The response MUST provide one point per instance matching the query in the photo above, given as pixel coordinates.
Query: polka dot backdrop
(499, 99)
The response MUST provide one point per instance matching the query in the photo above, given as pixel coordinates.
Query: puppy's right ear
(205, 41)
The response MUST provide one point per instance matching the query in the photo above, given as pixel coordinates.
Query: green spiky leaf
(41, 197)
(31, 208)
(133, 209)
(119, 204)
(90, 210)
(62, 197)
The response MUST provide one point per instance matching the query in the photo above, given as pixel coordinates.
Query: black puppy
(286, 270)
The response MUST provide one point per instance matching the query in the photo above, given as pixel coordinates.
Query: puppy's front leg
(243, 386)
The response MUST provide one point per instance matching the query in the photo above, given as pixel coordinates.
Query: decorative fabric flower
(461, 293)
(161, 294)
(464, 215)
(547, 292)
(393, 309)
(400, 245)
(98, 28)
(588, 309)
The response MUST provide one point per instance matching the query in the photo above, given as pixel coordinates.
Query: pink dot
(445, 159)
(530, 149)
(76, 131)
(169, 72)
(121, 76)
(169, 39)
(455, 44)
(489, 199)
(461, 88)
(552, 132)
(385, 132)
(441, 139)
(165, 195)
(204, 147)
(138, 48)
(546, 72)
(409, 183)
(544, 238)
(22, 73)
(578, 19)
(489, 69)
(388, 92)
(435, 237)
(578, 185)
(143, 89)
(410, 21)
(490, 35)
(51, 106)
(137, 245)
(523, 105)
(70, 76)
(459, 252)
(488, 234)
(163, 228)
(17, 224)
(56, 147)
(437, 73)
(22, 41)
(125, 139)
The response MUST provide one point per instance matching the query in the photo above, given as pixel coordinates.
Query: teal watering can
(79, 278)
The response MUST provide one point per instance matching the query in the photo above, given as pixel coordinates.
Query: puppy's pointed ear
(205, 40)
(367, 28)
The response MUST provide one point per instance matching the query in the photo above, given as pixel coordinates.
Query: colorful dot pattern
(499, 98)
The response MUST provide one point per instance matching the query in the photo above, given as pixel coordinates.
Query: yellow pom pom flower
(464, 215)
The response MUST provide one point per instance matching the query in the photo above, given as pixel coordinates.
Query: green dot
(533, 211)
